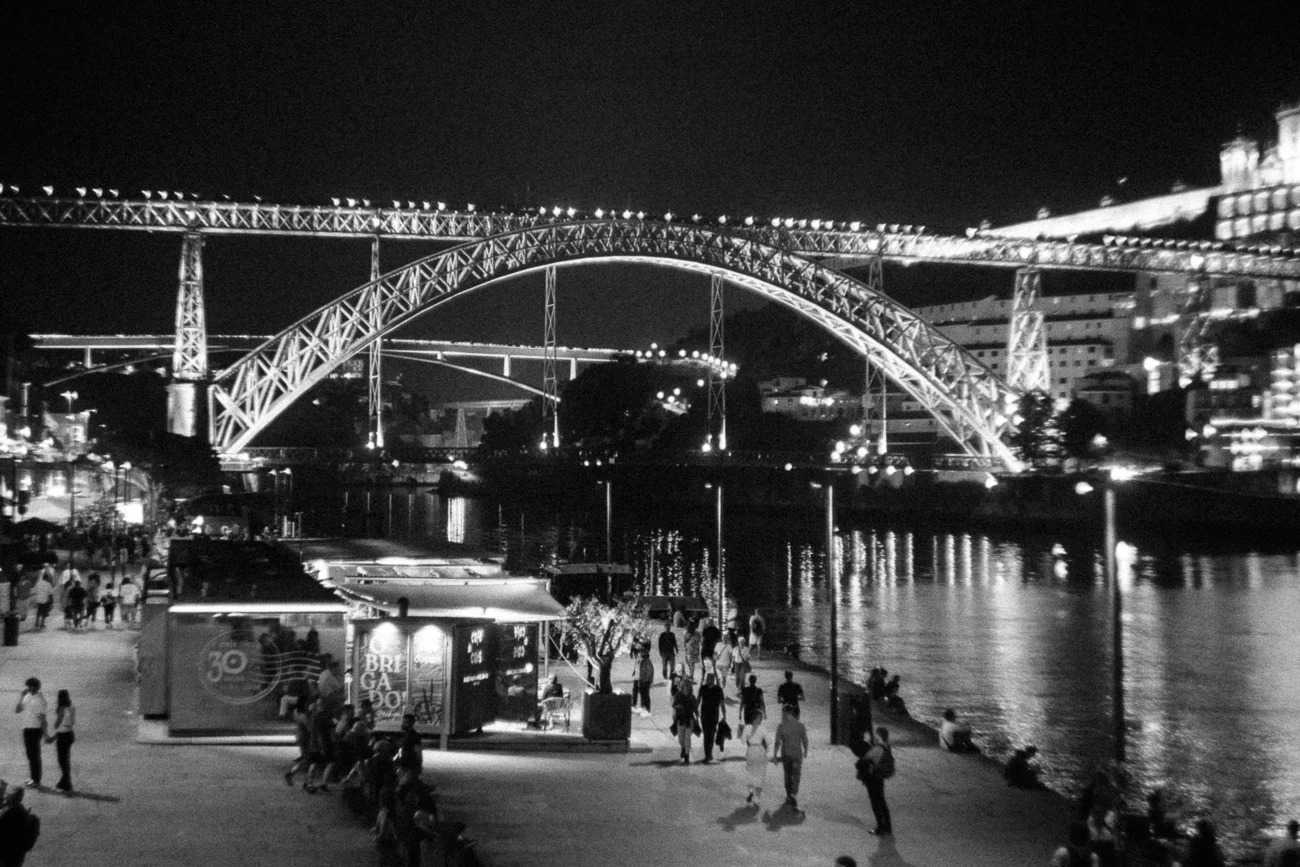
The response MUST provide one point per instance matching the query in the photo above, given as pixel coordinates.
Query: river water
(1010, 628)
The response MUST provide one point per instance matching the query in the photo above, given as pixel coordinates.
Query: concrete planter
(606, 716)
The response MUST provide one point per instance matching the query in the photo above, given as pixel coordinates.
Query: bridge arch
(966, 398)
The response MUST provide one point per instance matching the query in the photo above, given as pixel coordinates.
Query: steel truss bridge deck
(838, 241)
(245, 342)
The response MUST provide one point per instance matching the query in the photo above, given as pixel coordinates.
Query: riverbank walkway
(150, 804)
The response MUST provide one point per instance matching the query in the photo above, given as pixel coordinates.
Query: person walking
(686, 718)
(740, 665)
(93, 585)
(67, 576)
(33, 707)
(757, 626)
(790, 693)
(713, 708)
(692, 644)
(43, 596)
(752, 703)
(875, 765)
(129, 595)
(791, 746)
(108, 601)
(65, 719)
(755, 760)
(76, 602)
(724, 657)
(710, 638)
(668, 649)
(645, 676)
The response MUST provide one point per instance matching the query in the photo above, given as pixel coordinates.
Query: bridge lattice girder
(964, 396)
(1132, 255)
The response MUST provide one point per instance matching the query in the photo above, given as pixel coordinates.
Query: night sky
(928, 113)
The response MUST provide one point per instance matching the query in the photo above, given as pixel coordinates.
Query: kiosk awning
(506, 601)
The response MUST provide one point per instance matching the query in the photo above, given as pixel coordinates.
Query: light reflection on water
(1012, 630)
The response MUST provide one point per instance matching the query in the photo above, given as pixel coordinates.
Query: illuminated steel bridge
(789, 261)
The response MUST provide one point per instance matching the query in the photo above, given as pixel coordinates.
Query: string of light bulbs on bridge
(571, 213)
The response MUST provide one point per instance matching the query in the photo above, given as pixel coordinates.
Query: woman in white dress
(756, 759)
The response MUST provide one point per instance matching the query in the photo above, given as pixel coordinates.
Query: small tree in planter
(599, 631)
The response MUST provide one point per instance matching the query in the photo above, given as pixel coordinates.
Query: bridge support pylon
(1027, 368)
(550, 381)
(875, 388)
(1198, 355)
(188, 412)
(717, 379)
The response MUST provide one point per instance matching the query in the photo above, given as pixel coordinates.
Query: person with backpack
(20, 828)
(875, 765)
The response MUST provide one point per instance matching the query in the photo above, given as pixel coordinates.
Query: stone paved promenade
(150, 804)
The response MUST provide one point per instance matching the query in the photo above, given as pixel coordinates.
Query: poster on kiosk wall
(401, 667)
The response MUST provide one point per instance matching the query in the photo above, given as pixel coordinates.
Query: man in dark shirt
(789, 694)
(752, 704)
(668, 649)
(411, 754)
(710, 635)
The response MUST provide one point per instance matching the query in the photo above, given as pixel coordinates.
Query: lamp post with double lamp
(832, 589)
(721, 592)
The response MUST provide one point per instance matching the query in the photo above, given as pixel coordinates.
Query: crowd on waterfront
(379, 772)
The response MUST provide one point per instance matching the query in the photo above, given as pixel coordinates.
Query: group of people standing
(338, 743)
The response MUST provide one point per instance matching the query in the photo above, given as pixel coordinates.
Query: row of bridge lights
(724, 369)
(555, 211)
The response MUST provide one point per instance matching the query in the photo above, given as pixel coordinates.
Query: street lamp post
(609, 511)
(722, 598)
(72, 495)
(833, 588)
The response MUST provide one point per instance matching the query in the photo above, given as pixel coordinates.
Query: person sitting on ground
(891, 690)
(1020, 773)
(1076, 853)
(1162, 827)
(1203, 849)
(876, 683)
(1284, 848)
(954, 736)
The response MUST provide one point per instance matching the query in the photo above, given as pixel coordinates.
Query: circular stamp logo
(236, 671)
